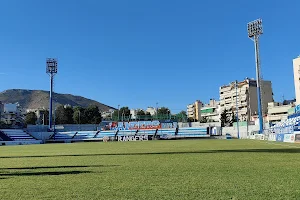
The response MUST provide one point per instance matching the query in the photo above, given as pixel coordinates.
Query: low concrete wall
(64, 128)
(42, 135)
(183, 124)
(10, 143)
(198, 124)
(243, 131)
(36, 128)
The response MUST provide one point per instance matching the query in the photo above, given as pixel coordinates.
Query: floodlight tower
(255, 29)
(51, 69)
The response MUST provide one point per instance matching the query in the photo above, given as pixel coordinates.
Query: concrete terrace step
(4, 136)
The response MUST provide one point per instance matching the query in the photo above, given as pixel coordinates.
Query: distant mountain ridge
(34, 99)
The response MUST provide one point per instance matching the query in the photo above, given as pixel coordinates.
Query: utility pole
(248, 113)
(237, 109)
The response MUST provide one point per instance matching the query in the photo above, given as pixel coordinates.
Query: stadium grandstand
(286, 130)
(17, 136)
(118, 131)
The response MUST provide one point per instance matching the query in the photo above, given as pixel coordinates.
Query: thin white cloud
(2, 73)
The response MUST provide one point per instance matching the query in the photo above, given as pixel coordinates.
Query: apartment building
(151, 110)
(107, 114)
(11, 114)
(194, 110)
(246, 96)
(278, 112)
(211, 111)
(133, 113)
(296, 66)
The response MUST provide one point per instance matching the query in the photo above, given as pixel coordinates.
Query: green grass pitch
(185, 169)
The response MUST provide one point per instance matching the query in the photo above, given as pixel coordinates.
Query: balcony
(243, 111)
(279, 109)
(243, 104)
(209, 114)
(191, 106)
(191, 110)
(225, 89)
(228, 101)
(277, 117)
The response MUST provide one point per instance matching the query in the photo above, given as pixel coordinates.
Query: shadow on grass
(57, 167)
(281, 150)
(44, 173)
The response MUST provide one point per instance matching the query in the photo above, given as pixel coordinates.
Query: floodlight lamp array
(255, 28)
(51, 66)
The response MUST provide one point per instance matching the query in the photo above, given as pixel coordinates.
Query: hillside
(33, 99)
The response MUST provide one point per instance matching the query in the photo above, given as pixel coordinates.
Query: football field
(185, 169)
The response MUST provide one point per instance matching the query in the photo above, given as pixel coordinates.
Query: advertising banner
(297, 137)
(272, 137)
(140, 125)
(252, 137)
(132, 138)
(297, 109)
(280, 137)
(283, 130)
(289, 138)
(259, 137)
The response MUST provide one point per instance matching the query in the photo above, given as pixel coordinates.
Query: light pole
(248, 112)
(157, 110)
(79, 113)
(118, 112)
(51, 69)
(237, 109)
(255, 29)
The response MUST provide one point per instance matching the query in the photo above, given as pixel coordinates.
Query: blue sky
(137, 53)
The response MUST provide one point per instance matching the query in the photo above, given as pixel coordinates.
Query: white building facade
(278, 112)
(11, 114)
(151, 110)
(246, 96)
(211, 111)
(296, 67)
(194, 111)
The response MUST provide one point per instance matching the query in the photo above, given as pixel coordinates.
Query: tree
(224, 118)
(69, 115)
(31, 118)
(233, 118)
(203, 120)
(64, 115)
(140, 114)
(190, 119)
(124, 111)
(79, 115)
(182, 116)
(44, 117)
(148, 116)
(60, 117)
(163, 111)
(93, 114)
